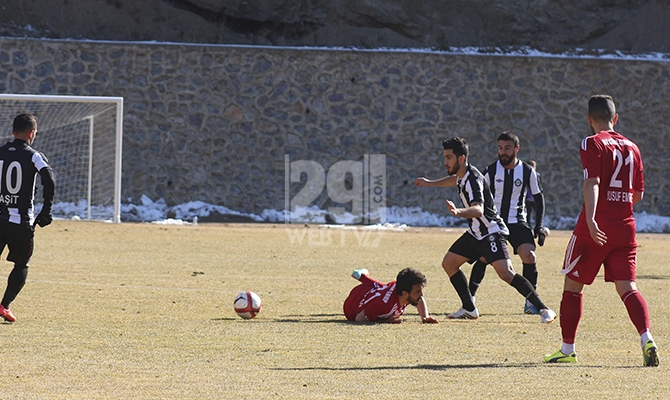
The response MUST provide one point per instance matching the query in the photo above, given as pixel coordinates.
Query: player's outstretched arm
(422, 307)
(476, 210)
(447, 181)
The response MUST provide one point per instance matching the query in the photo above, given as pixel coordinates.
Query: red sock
(637, 310)
(571, 313)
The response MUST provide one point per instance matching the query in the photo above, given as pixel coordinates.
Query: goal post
(82, 137)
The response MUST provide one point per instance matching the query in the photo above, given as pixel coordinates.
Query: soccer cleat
(7, 314)
(548, 315)
(559, 357)
(464, 314)
(650, 354)
(529, 308)
(358, 272)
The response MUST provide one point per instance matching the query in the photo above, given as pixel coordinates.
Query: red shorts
(351, 303)
(583, 259)
(356, 295)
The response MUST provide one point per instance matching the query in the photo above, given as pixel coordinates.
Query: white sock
(567, 349)
(645, 337)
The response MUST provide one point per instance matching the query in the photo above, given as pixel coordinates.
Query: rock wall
(623, 25)
(214, 123)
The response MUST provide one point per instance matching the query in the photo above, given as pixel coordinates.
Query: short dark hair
(24, 123)
(602, 108)
(458, 145)
(509, 136)
(406, 280)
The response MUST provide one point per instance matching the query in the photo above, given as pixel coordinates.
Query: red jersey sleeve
(590, 153)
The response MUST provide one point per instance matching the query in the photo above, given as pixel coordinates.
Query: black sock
(15, 282)
(524, 287)
(530, 273)
(460, 283)
(476, 276)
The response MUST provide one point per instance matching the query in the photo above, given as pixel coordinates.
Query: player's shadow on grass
(314, 318)
(435, 367)
(430, 367)
(653, 277)
(319, 319)
(310, 318)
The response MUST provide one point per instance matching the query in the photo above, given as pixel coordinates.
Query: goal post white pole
(89, 183)
(118, 154)
(91, 103)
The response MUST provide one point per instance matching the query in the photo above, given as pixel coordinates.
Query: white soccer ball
(247, 304)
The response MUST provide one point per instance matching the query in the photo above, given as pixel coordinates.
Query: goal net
(81, 136)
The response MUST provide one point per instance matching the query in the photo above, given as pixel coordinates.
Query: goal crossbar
(76, 109)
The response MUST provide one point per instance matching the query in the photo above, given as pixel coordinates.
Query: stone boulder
(626, 25)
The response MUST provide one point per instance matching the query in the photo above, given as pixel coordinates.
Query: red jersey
(378, 300)
(616, 160)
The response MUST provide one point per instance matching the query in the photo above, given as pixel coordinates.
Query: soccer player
(485, 236)
(605, 230)
(375, 301)
(510, 180)
(19, 164)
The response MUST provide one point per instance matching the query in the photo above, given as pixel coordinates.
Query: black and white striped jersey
(509, 189)
(473, 188)
(19, 164)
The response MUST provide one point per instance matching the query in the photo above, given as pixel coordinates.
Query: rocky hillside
(626, 25)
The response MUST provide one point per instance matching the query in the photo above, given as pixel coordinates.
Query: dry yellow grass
(145, 311)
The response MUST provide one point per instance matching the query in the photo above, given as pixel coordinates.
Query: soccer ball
(247, 304)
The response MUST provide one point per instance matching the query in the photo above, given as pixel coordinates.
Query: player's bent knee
(451, 265)
(449, 269)
(527, 254)
(505, 271)
(507, 277)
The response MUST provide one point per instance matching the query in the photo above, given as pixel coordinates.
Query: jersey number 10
(12, 187)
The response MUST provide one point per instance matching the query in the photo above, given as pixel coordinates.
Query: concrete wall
(214, 123)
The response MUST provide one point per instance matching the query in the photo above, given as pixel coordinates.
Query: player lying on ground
(374, 301)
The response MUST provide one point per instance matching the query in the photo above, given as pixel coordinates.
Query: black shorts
(493, 247)
(518, 235)
(19, 239)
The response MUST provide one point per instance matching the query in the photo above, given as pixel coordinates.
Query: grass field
(144, 311)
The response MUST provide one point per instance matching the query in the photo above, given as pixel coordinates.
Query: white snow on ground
(396, 218)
